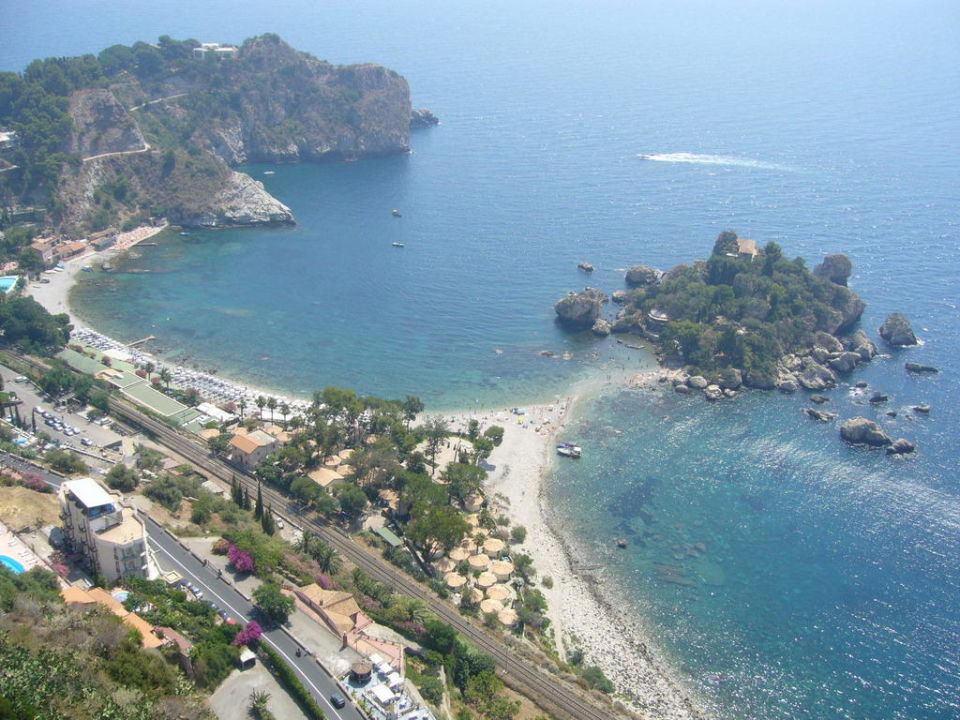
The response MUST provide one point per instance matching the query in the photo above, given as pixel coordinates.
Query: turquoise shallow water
(829, 583)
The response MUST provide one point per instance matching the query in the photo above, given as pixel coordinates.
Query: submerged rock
(821, 415)
(861, 431)
(922, 409)
(879, 397)
(819, 399)
(896, 330)
(920, 368)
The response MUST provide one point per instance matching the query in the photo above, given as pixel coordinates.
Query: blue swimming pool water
(12, 564)
(6, 283)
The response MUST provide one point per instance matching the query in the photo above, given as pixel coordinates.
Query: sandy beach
(576, 608)
(516, 487)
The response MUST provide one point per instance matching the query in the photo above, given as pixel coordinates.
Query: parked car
(337, 700)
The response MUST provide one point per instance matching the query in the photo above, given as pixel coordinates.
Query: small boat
(569, 450)
(398, 244)
(396, 213)
(184, 232)
(268, 172)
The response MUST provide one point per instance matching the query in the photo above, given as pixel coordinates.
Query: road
(174, 556)
(519, 672)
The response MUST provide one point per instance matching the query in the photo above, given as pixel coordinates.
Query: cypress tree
(246, 499)
(267, 523)
(258, 508)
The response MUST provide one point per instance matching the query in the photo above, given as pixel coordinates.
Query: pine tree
(267, 522)
(258, 508)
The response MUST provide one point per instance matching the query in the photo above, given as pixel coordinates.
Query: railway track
(546, 690)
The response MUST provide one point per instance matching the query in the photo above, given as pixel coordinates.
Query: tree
(495, 434)
(165, 377)
(267, 522)
(353, 501)
(258, 507)
(463, 480)
(219, 444)
(65, 462)
(272, 405)
(261, 403)
(285, 411)
(437, 432)
(437, 529)
(166, 492)
(412, 406)
(273, 605)
(123, 478)
(148, 458)
(243, 406)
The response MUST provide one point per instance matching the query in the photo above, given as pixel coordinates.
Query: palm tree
(149, 367)
(166, 377)
(243, 406)
(326, 557)
(272, 404)
(261, 402)
(285, 409)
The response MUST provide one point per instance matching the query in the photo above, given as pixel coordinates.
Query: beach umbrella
(502, 569)
(486, 579)
(454, 580)
(499, 592)
(458, 554)
(490, 606)
(508, 617)
(444, 565)
(479, 562)
(493, 546)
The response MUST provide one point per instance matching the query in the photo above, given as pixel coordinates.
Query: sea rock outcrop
(697, 382)
(920, 368)
(579, 311)
(422, 118)
(896, 330)
(713, 392)
(859, 343)
(585, 266)
(901, 446)
(844, 362)
(601, 327)
(620, 297)
(815, 376)
(922, 409)
(241, 201)
(643, 275)
(861, 431)
(835, 269)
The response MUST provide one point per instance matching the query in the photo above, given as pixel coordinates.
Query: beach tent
(394, 680)
(383, 695)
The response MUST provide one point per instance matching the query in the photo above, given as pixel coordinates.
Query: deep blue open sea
(830, 586)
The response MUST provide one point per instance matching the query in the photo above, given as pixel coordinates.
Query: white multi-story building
(110, 536)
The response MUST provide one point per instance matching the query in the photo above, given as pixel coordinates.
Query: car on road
(337, 700)
(86, 441)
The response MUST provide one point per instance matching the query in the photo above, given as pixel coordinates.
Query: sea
(780, 574)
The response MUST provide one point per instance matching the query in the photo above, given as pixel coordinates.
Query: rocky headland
(157, 130)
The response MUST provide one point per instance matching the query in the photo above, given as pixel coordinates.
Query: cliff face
(283, 105)
(162, 143)
(101, 125)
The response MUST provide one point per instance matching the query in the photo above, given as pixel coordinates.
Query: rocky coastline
(809, 350)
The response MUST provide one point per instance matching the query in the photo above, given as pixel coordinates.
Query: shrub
(242, 562)
(275, 664)
(221, 547)
(251, 633)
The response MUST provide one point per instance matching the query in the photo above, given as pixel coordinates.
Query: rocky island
(156, 130)
(746, 317)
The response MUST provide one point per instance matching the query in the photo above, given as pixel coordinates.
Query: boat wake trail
(699, 159)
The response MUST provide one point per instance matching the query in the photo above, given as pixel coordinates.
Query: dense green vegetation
(57, 662)
(25, 322)
(744, 312)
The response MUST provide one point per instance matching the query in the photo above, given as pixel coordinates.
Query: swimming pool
(12, 564)
(7, 282)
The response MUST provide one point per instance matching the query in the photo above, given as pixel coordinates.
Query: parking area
(65, 427)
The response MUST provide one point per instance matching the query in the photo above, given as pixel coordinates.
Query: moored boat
(398, 244)
(569, 450)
